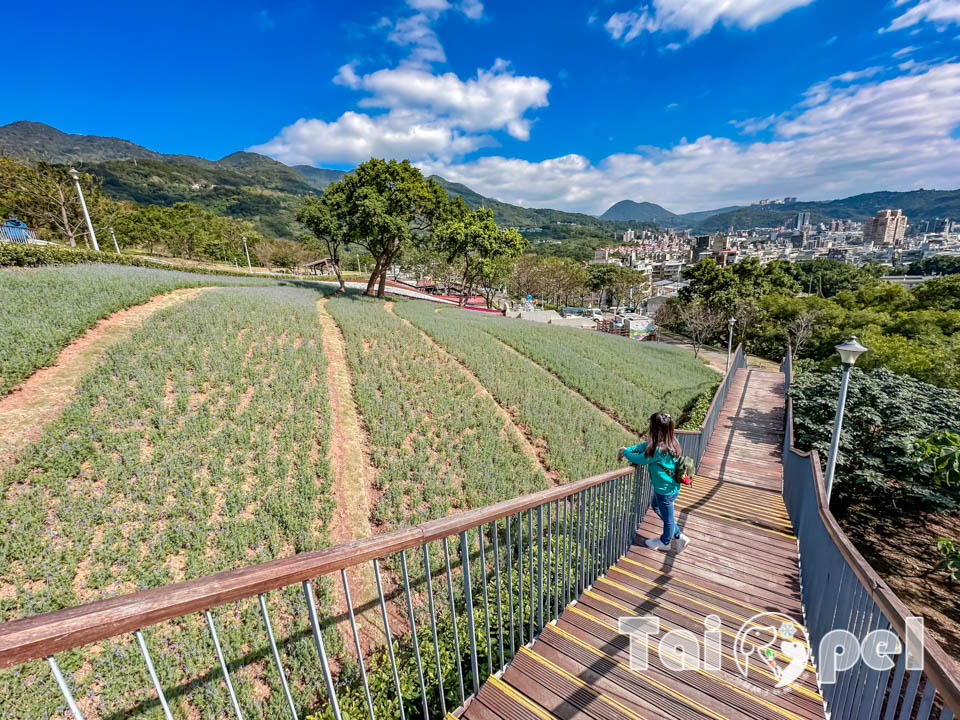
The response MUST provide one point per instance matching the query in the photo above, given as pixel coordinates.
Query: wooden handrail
(713, 402)
(937, 664)
(43, 635)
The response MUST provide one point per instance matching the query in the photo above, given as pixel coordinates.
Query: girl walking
(660, 453)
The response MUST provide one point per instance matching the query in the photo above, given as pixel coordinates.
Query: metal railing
(17, 234)
(501, 573)
(694, 442)
(840, 590)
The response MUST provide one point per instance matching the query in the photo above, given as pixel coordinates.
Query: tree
(473, 238)
(387, 206)
(800, 330)
(526, 276)
(701, 322)
(666, 317)
(46, 198)
(560, 278)
(625, 282)
(325, 219)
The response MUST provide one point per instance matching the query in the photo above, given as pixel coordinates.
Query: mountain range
(267, 192)
(627, 210)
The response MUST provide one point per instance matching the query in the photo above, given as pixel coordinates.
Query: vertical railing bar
(608, 523)
(223, 665)
(894, 695)
(595, 532)
(910, 694)
(581, 578)
(356, 641)
(321, 650)
(413, 631)
(565, 585)
(433, 628)
(496, 565)
(588, 537)
(926, 702)
(453, 618)
(64, 689)
(386, 628)
(533, 613)
(145, 651)
(520, 619)
(539, 568)
(558, 561)
(468, 595)
(486, 599)
(513, 650)
(547, 580)
(946, 713)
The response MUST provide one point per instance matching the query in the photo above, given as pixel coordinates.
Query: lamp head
(74, 174)
(732, 321)
(850, 351)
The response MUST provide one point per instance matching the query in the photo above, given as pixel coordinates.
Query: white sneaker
(655, 544)
(680, 543)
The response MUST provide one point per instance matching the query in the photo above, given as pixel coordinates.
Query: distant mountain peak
(630, 210)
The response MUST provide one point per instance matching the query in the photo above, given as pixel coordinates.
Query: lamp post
(849, 352)
(247, 251)
(731, 322)
(83, 203)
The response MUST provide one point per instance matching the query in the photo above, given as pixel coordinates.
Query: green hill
(916, 205)
(643, 211)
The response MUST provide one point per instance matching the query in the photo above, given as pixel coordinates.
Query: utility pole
(114, 236)
(247, 251)
(83, 203)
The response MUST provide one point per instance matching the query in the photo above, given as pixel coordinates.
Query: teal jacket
(662, 465)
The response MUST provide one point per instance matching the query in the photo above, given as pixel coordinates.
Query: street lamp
(731, 322)
(849, 352)
(83, 203)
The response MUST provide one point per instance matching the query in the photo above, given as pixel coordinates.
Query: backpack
(684, 470)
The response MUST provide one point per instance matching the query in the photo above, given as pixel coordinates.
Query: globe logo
(776, 643)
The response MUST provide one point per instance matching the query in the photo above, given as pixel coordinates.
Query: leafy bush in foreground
(886, 414)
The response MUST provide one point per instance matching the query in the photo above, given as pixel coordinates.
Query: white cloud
(429, 5)
(355, 137)
(696, 17)
(447, 116)
(905, 51)
(891, 134)
(473, 9)
(940, 12)
(417, 32)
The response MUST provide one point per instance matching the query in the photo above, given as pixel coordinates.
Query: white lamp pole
(247, 251)
(731, 322)
(115, 245)
(83, 203)
(849, 352)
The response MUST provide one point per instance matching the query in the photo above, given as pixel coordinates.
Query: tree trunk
(374, 276)
(339, 274)
(382, 289)
(66, 220)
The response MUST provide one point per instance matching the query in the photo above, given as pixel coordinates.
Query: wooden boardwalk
(742, 560)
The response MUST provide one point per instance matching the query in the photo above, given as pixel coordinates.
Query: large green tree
(325, 219)
(485, 250)
(388, 205)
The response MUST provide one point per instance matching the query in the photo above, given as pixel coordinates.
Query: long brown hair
(662, 435)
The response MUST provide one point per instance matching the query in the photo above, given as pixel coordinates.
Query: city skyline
(735, 102)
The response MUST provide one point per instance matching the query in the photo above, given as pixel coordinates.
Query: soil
(521, 434)
(39, 399)
(353, 488)
(904, 554)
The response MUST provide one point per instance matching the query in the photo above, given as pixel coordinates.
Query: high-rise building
(803, 218)
(887, 228)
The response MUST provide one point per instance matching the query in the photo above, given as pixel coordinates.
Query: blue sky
(689, 103)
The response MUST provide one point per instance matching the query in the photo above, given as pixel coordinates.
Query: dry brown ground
(39, 399)
(903, 555)
(353, 486)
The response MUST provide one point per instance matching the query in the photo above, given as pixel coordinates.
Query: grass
(438, 446)
(199, 445)
(43, 309)
(579, 440)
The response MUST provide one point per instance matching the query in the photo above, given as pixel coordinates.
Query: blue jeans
(663, 507)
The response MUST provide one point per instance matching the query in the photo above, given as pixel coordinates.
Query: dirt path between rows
(353, 488)
(531, 450)
(40, 399)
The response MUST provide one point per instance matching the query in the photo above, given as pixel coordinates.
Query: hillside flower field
(202, 441)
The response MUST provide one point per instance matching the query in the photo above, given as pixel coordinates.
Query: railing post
(468, 595)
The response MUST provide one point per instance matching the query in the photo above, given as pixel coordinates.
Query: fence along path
(741, 561)
(544, 579)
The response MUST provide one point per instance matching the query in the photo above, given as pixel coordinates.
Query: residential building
(887, 228)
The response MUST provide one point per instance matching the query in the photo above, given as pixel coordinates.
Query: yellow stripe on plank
(519, 697)
(678, 611)
(686, 700)
(667, 626)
